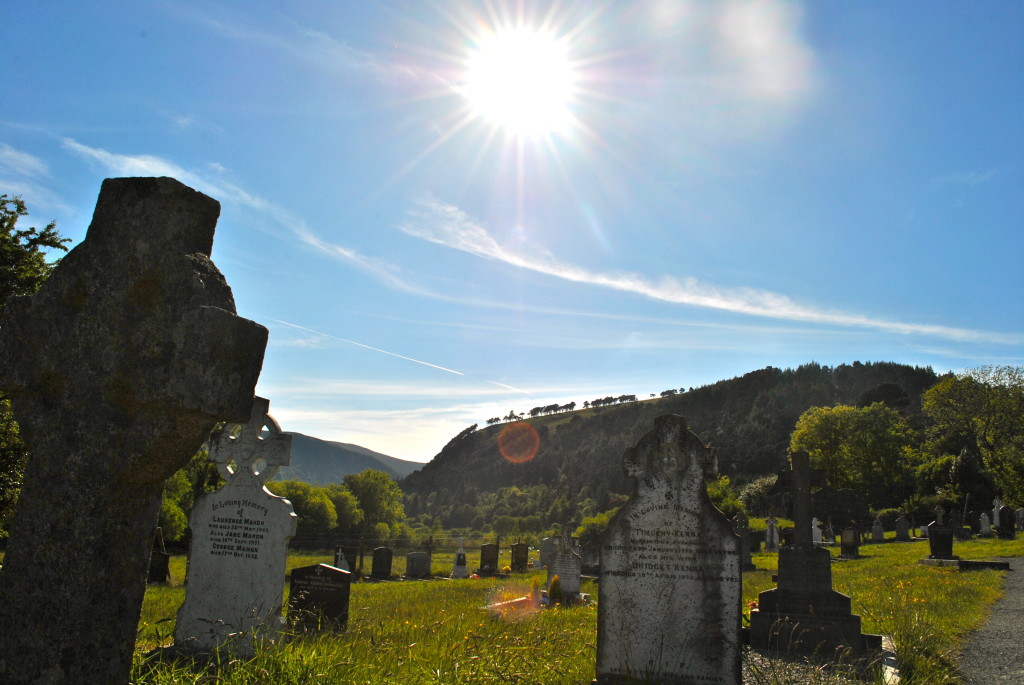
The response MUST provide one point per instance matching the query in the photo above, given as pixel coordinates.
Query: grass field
(439, 632)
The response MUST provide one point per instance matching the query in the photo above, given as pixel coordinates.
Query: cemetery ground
(438, 631)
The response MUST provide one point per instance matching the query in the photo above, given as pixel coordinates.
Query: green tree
(314, 508)
(980, 412)
(23, 268)
(868, 450)
(379, 497)
(350, 515)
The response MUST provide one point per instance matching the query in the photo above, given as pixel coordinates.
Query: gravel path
(994, 654)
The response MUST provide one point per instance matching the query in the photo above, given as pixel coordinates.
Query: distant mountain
(320, 462)
(748, 420)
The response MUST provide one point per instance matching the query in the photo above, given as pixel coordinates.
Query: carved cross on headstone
(801, 478)
(252, 453)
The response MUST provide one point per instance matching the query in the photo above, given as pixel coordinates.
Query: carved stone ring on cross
(245, 446)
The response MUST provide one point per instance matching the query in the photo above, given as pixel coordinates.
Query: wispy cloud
(447, 225)
(368, 347)
(21, 163)
(970, 178)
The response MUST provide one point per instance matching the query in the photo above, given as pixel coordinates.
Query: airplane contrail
(375, 349)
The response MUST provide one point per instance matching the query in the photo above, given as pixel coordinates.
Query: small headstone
(771, 535)
(984, 525)
(670, 570)
(902, 529)
(319, 596)
(460, 569)
(417, 565)
(345, 558)
(849, 543)
(566, 563)
(381, 569)
(1020, 519)
(939, 514)
(940, 541)
(877, 531)
(1007, 524)
(239, 543)
(488, 560)
(997, 504)
(816, 532)
(547, 548)
(520, 557)
(117, 369)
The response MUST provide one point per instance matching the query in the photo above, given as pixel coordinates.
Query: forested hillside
(577, 469)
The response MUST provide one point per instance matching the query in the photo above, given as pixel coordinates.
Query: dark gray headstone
(877, 531)
(488, 559)
(520, 557)
(1007, 524)
(319, 596)
(547, 548)
(902, 529)
(670, 570)
(940, 541)
(117, 369)
(849, 541)
(417, 565)
(381, 569)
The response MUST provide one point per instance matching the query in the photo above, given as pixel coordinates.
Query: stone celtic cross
(251, 453)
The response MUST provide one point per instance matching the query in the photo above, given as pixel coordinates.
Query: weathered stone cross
(251, 453)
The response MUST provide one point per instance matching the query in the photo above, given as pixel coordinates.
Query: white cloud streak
(447, 225)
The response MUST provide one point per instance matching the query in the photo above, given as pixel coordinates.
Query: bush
(755, 499)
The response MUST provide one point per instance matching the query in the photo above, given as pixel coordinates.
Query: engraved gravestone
(345, 558)
(547, 548)
(460, 569)
(669, 607)
(117, 369)
(417, 565)
(239, 544)
(902, 528)
(488, 559)
(567, 564)
(382, 559)
(319, 596)
(984, 525)
(877, 531)
(520, 557)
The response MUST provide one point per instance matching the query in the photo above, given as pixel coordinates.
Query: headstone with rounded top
(417, 565)
(1006, 527)
(239, 546)
(902, 528)
(984, 525)
(877, 531)
(117, 369)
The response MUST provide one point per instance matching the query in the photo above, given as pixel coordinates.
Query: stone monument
(984, 525)
(1006, 526)
(567, 564)
(740, 526)
(239, 544)
(382, 562)
(547, 548)
(902, 528)
(520, 557)
(417, 565)
(460, 570)
(877, 531)
(771, 535)
(669, 608)
(319, 596)
(488, 560)
(816, 532)
(117, 370)
(804, 614)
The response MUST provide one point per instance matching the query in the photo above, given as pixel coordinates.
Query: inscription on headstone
(567, 564)
(488, 559)
(319, 596)
(670, 570)
(239, 543)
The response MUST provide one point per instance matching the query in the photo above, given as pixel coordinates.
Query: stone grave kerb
(117, 369)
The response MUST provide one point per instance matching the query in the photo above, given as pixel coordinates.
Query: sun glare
(521, 81)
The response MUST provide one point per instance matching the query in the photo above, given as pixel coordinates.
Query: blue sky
(717, 187)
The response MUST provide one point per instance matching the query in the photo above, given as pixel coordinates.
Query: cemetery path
(994, 653)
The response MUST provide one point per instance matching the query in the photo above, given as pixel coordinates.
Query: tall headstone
(1006, 527)
(1020, 518)
(117, 369)
(804, 614)
(460, 569)
(740, 526)
(417, 565)
(319, 596)
(382, 562)
(984, 525)
(877, 531)
(345, 558)
(567, 564)
(520, 557)
(488, 559)
(669, 610)
(997, 504)
(771, 535)
(816, 531)
(902, 528)
(239, 546)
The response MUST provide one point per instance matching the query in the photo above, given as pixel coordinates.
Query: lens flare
(518, 442)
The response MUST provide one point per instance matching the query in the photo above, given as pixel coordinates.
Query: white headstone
(239, 543)
(816, 531)
(460, 570)
(997, 504)
(985, 524)
(771, 535)
(670, 587)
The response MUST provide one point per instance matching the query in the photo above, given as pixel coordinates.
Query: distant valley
(320, 462)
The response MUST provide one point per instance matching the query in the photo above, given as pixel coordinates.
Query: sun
(520, 80)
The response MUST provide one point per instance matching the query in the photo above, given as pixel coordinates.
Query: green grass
(439, 632)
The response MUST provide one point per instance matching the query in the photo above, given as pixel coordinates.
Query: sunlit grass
(439, 632)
